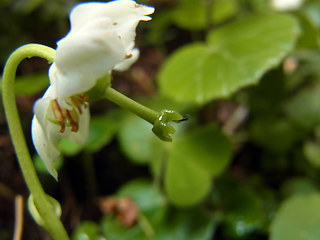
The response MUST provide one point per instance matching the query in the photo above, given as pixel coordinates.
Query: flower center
(66, 117)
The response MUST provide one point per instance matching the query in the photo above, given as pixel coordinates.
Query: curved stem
(52, 223)
(146, 113)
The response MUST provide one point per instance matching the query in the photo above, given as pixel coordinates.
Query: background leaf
(298, 219)
(136, 139)
(309, 37)
(31, 84)
(194, 159)
(167, 222)
(219, 11)
(102, 129)
(239, 53)
(304, 108)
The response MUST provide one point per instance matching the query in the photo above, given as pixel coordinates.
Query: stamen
(70, 117)
(128, 55)
(77, 103)
(58, 113)
(62, 119)
(73, 120)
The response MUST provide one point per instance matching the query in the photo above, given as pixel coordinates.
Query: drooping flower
(51, 123)
(101, 39)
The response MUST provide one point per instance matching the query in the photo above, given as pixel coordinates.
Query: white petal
(124, 15)
(84, 57)
(46, 150)
(45, 134)
(127, 32)
(116, 10)
(126, 64)
(40, 108)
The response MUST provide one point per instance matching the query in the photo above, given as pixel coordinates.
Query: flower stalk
(51, 222)
(123, 101)
(159, 120)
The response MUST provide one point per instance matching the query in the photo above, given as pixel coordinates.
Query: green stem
(52, 223)
(123, 101)
(146, 226)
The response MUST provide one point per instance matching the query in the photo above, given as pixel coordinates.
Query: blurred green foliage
(225, 175)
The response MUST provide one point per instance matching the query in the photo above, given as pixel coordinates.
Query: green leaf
(158, 32)
(114, 230)
(166, 223)
(194, 159)
(191, 224)
(243, 207)
(40, 166)
(274, 134)
(28, 6)
(312, 10)
(102, 130)
(137, 140)
(187, 8)
(235, 56)
(264, 96)
(311, 151)
(87, 230)
(309, 37)
(177, 224)
(304, 108)
(246, 215)
(223, 10)
(219, 11)
(298, 186)
(297, 219)
(144, 193)
(68, 147)
(185, 182)
(31, 84)
(151, 205)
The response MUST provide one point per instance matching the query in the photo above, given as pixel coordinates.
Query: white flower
(101, 39)
(51, 123)
(285, 5)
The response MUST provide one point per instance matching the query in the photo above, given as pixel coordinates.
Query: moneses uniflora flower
(101, 39)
